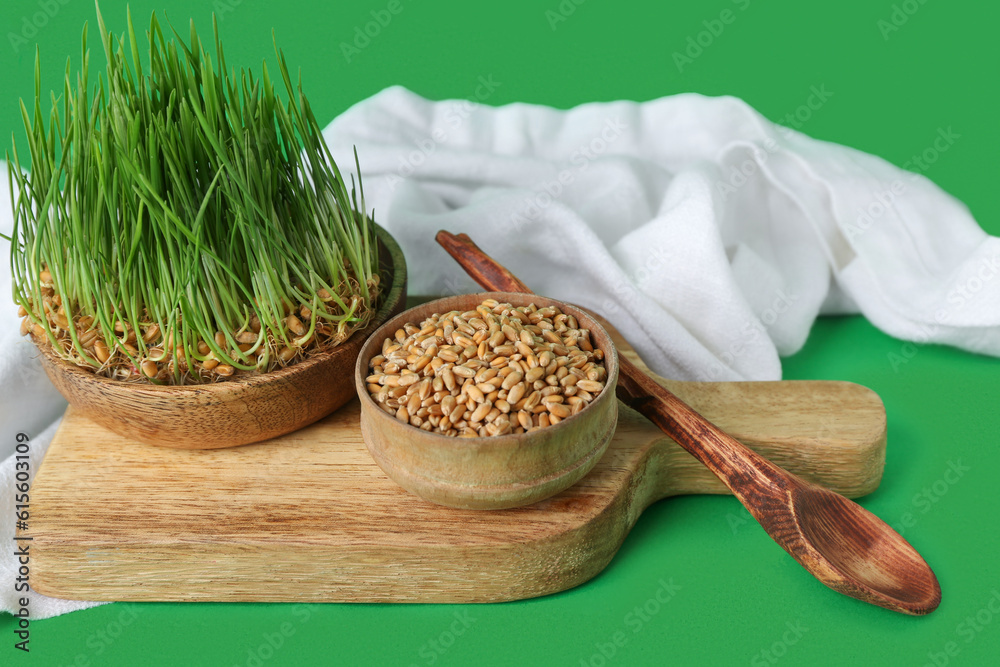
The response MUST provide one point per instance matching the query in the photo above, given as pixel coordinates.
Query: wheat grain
(493, 370)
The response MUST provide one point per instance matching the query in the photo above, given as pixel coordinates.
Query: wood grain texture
(233, 412)
(840, 543)
(310, 517)
(497, 472)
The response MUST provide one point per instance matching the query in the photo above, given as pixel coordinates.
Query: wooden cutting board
(310, 517)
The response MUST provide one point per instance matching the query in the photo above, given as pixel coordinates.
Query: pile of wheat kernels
(490, 371)
(159, 356)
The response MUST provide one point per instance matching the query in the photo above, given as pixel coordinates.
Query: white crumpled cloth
(710, 236)
(29, 404)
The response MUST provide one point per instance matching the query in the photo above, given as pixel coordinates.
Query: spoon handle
(744, 471)
(740, 468)
(489, 273)
(840, 543)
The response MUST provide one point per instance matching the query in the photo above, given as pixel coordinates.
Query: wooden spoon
(840, 543)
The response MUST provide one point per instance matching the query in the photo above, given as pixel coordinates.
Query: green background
(891, 93)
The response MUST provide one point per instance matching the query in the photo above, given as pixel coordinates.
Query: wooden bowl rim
(395, 294)
(486, 441)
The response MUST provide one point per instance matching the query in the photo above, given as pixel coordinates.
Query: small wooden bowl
(495, 472)
(233, 412)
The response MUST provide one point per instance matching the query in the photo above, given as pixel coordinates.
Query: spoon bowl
(838, 542)
(864, 557)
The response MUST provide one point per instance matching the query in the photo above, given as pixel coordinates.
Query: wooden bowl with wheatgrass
(188, 258)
